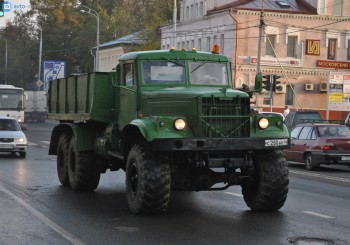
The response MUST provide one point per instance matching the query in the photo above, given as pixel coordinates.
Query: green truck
(172, 121)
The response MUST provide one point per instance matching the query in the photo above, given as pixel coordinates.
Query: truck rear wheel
(147, 181)
(62, 159)
(267, 186)
(83, 172)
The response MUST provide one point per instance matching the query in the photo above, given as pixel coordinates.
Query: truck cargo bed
(81, 98)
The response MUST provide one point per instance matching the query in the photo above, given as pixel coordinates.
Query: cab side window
(128, 74)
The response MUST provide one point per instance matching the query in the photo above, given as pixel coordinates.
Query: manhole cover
(310, 241)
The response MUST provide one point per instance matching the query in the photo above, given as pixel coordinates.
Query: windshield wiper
(174, 62)
(201, 64)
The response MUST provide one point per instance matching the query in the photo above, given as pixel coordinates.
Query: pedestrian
(286, 111)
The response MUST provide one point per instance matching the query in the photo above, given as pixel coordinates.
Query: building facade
(302, 42)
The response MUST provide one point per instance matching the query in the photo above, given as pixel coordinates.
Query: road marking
(318, 215)
(45, 142)
(64, 233)
(320, 176)
(126, 229)
(32, 144)
(233, 194)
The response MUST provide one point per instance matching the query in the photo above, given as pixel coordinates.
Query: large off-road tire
(147, 181)
(62, 159)
(267, 186)
(84, 173)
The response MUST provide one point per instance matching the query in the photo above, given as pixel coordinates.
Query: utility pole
(261, 27)
(174, 24)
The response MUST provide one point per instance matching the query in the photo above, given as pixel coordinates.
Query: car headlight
(263, 123)
(179, 124)
(21, 140)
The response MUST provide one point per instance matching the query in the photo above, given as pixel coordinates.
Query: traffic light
(2, 12)
(267, 82)
(275, 82)
(258, 83)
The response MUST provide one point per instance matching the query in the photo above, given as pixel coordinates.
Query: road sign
(39, 83)
(53, 69)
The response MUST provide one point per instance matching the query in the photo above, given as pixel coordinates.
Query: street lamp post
(94, 13)
(174, 24)
(40, 52)
(5, 59)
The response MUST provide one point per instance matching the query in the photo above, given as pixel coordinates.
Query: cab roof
(174, 55)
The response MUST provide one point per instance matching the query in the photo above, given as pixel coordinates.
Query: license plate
(345, 158)
(277, 142)
(3, 146)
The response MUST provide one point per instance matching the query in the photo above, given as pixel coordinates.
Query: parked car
(296, 117)
(12, 139)
(319, 143)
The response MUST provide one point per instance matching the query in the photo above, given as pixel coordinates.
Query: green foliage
(70, 35)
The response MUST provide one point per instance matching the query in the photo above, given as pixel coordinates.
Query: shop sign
(313, 47)
(274, 62)
(333, 64)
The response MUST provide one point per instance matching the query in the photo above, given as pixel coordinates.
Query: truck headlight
(263, 123)
(179, 124)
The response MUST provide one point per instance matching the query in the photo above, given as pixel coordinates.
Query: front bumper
(13, 147)
(220, 144)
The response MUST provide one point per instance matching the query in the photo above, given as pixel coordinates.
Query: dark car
(319, 143)
(296, 117)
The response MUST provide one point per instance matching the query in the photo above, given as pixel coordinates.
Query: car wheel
(309, 165)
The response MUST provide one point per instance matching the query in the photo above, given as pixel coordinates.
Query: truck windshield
(208, 73)
(163, 72)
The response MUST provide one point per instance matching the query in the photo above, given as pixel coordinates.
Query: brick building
(311, 39)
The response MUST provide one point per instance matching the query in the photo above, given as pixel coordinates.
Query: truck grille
(225, 117)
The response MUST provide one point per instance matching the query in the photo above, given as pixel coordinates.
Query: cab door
(127, 95)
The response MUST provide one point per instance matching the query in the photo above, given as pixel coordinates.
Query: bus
(11, 102)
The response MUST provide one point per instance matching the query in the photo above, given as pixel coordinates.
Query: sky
(10, 7)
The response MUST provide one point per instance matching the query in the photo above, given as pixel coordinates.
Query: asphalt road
(36, 209)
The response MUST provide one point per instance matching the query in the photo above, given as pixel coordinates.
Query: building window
(338, 7)
(292, 46)
(199, 44)
(321, 7)
(348, 49)
(208, 44)
(222, 43)
(269, 48)
(332, 48)
(196, 10)
(192, 12)
(289, 96)
(187, 12)
(192, 44)
(201, 9)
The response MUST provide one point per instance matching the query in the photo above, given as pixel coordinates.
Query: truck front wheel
(267, 186)
(147, 181)
(62, 159)
(83, 172)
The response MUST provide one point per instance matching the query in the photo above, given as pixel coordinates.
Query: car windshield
(9, 125)
(333, 131)
(158, 72)
(208, 73)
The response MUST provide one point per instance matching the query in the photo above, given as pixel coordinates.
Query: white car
(12, 139)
